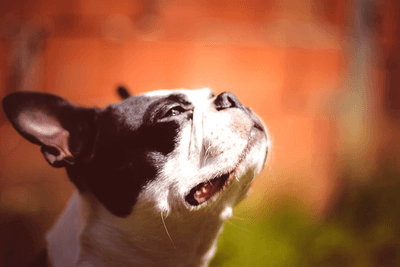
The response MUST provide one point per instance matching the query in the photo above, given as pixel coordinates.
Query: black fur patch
(111, 152)
(133, 142)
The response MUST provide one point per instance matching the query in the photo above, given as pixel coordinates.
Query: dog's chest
(139, 240)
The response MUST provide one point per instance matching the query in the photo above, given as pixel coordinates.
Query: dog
(157, 174)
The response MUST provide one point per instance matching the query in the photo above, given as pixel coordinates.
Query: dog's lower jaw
(110, 241)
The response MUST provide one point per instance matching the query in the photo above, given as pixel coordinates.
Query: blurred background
(324, 76)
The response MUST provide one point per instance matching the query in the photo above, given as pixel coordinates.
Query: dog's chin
(206, 191)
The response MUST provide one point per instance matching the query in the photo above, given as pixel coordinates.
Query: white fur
(164, 230)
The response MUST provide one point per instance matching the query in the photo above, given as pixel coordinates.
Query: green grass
(362, 228)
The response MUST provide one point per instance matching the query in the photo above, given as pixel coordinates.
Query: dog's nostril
(226, 100)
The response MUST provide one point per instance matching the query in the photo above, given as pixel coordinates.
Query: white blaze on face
(202, 102)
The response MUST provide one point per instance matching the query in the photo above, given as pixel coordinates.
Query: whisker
(240, 218)
(238, 227)
(166, 230)
(247, 186)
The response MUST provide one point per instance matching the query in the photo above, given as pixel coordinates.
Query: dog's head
(175, 150)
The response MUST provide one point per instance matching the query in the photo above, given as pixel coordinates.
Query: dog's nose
(227, 100)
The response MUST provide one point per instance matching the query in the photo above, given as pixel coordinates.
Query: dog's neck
(97, 238)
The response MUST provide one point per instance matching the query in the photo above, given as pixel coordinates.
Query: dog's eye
(174, 111)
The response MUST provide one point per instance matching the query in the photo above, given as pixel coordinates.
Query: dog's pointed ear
(49, 121)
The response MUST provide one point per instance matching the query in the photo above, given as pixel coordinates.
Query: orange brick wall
(90, 47)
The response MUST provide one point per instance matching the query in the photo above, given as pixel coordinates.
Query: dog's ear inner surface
(55, 124)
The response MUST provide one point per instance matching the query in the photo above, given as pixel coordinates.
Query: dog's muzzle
(204, 191)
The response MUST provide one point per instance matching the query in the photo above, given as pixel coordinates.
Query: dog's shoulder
(63, 239)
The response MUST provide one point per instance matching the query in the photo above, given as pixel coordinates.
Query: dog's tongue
(207, 191)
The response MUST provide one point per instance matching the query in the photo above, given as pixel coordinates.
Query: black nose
(227, 100)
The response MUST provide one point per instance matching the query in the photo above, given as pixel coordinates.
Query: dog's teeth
(205, 189)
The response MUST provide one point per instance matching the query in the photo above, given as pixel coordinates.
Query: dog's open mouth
(204, 191)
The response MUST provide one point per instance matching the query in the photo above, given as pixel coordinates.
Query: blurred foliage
(362, 228)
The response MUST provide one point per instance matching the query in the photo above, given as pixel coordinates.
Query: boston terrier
(157, 174)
